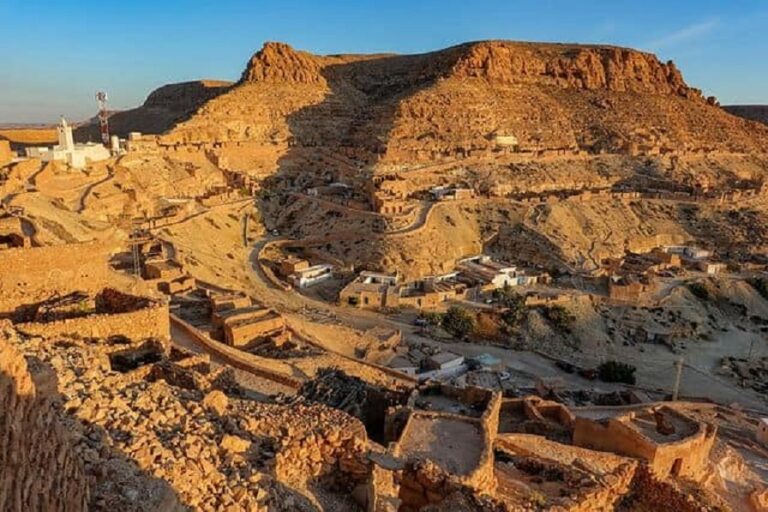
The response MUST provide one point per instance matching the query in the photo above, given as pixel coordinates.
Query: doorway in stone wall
(676, 467)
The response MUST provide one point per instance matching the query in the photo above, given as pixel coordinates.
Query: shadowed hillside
(752, 112)
(163, 109)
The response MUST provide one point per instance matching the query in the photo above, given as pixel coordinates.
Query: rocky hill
(752, 112)
(163, 109)
(461, 100)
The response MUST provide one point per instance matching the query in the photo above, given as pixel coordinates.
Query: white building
(75, 155)
(762, 431)
(368, 277)
(443, 361)
(484, 270)
(697, 253)
(311, 275)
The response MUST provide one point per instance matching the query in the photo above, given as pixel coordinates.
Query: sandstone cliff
(567, 66)
(455, 102)
(278, 62)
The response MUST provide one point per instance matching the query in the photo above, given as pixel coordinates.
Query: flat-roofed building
(309, 276)
(443, 361)
(486, 272)
(163, 269)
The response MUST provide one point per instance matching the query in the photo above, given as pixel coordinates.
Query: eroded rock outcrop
(279, 62)
(587, 67)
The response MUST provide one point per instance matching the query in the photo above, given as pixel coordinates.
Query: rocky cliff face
(279, 62)
(451, 103)
(588, 67)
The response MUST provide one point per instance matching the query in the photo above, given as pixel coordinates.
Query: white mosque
(76, 155)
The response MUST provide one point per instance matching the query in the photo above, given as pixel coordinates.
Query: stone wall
(38, 468)
(611, 435)
(29, 275)
(149, 322)
(684, 457)
(326, 451)
(605, 496)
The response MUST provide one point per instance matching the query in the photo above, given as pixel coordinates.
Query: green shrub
(560, 317)
(458, 321)
(614, 371)
(432, 318)
(513, 304)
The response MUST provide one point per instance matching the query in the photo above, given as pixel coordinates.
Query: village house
(443, 361)
(388, 205)
(166, 269)
(425, 294)
(483, 271)
(306, 277)
(630, 288)
(403, 365)
(221, 303)
(672, 443)
(712, 267)
(388, 194)
(368, 290)
(292, 264)
(443, 193)
(688, 251)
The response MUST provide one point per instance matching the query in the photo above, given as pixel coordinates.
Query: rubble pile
(352, 395)
(749, 373)
(151, 445)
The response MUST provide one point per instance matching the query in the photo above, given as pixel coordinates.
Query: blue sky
(56, 53)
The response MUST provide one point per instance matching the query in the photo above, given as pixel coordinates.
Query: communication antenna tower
(101, 98)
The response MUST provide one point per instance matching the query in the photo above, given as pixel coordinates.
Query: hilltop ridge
(412, 108)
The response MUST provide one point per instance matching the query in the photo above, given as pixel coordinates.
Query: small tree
(614, 371)
(432, 318)
(513, 304)
(560, 317)
(458, 321)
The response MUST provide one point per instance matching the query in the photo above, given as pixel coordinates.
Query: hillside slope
(163, 109)
(752, 112)
(458, 101)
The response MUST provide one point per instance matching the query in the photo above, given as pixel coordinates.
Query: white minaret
(64, 131)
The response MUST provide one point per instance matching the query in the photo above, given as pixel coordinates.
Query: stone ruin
(109, 312)
(170, 434)
(354, 396)
(39, 467)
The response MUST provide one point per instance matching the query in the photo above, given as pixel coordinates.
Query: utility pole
(676, 390)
